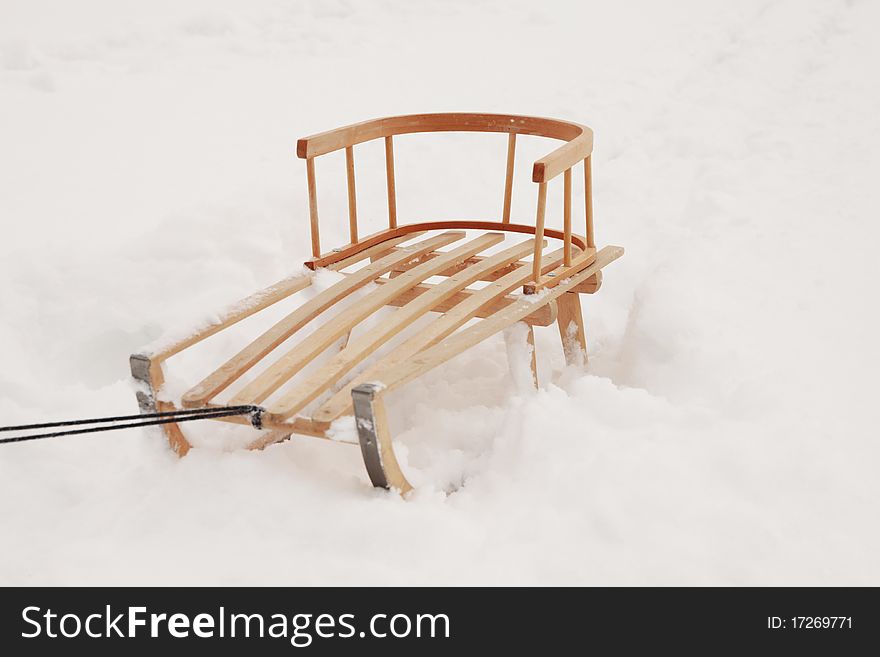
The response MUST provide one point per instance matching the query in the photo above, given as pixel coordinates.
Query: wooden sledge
(400, 259)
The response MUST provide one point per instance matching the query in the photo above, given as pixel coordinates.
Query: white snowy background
(725, 430)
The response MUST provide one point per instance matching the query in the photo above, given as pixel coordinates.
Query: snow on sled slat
(230, 371)
(304, 352)
(437, 330)
(237, 312)
(353, 354)
(261, 300)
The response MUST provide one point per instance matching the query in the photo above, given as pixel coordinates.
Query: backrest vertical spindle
(567, 217)
(539, 232)
(588, 201)
(508, 181)
(389, 173)
(352, 196)
(313, 207)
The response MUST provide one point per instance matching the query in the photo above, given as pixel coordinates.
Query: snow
(724, 431)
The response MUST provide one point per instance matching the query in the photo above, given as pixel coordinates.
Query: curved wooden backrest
(578, 148)
(579, 137)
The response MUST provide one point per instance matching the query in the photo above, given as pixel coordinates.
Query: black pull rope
(133, 421)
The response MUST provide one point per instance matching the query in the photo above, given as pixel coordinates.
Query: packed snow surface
(724, 431)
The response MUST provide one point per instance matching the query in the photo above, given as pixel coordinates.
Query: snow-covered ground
(725, 431)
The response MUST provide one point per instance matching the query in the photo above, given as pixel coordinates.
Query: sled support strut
(372, 427)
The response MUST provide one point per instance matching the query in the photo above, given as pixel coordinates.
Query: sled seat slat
(433, 333)
(488, 276)
(236, 366)
(356, 351)
(309, 348)
(394, 374)
(236, 313)
(373, 252)
(266, 297)
(542, 316)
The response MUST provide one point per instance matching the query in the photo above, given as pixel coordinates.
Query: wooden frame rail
(578, 148)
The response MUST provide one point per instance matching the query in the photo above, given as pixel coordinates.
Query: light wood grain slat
(437, 330)
(543, 315)
(488, 276)
(329, 373)
(398, 374)
(235, 313)
(221, 378)
(310, 347)
(374, 252)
